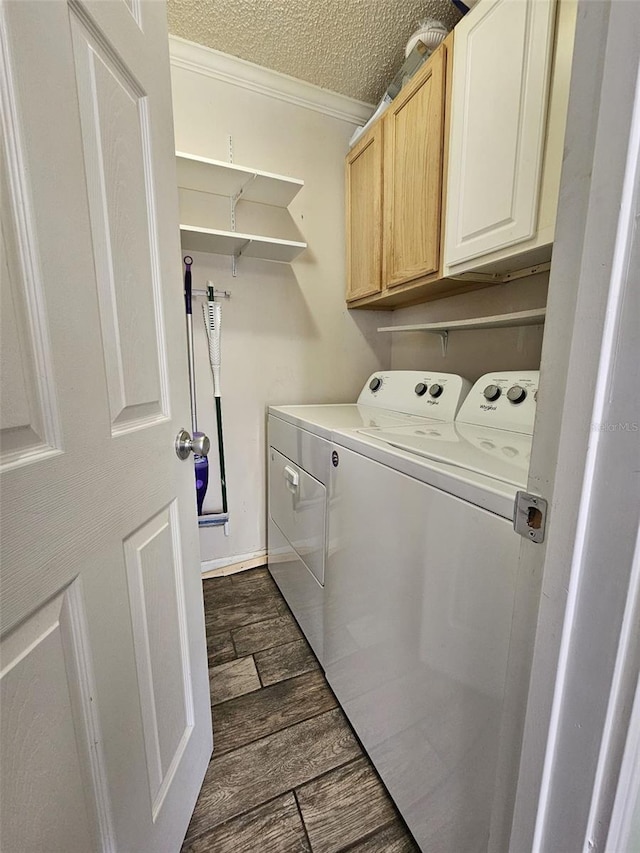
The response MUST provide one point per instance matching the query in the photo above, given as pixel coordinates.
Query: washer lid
(321, 420)
(495, 453)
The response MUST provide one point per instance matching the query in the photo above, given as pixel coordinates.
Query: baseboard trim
(231, 565)
(247, 75)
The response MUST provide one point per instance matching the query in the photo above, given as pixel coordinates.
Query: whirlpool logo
(486, 408)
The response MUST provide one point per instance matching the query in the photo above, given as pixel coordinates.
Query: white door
(106, 729)
(575, 646)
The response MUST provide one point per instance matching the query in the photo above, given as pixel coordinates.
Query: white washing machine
(419, 593)
(300, 449)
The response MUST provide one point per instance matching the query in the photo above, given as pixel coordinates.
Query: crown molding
(247, 75)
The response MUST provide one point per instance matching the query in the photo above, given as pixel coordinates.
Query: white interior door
(106, 728)
(575, 653)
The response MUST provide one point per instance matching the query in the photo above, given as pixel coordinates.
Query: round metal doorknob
(199, 444)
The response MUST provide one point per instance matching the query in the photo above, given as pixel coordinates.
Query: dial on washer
(421, 389)
(375, 384)
(492, 392)
(436, 390)
(516, 394)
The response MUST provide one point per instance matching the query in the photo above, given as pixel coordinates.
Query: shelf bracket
(233, 214)
(444, 340)
(233, 201)
(514, 274)
(236, 257)
(236, 198)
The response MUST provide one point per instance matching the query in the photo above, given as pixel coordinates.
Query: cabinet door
(364, 215)
(414, 142)
(501, 76)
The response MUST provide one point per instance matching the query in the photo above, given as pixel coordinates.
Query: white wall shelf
(238, 245)
(533, 317)
(235, 182)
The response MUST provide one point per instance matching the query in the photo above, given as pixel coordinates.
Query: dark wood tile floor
(287, 774)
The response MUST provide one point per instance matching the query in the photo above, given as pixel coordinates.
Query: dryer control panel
(415, 392)
(504, 400)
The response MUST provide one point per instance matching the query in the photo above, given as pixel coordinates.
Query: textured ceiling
(349, 46)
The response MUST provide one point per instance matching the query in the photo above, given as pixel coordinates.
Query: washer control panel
(504, 400)
(430, 395)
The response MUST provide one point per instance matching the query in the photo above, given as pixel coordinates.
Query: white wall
(476, 352)
(287, 335)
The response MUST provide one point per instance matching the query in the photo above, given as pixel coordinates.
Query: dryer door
(297, 505)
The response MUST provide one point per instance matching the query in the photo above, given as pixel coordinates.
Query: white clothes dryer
(300, 461)
(419, 594)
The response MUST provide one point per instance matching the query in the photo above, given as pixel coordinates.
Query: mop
(201, 462)
(212, 313)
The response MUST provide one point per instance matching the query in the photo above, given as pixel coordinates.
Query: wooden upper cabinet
(395, 205)
(473, 142)
(364, 215)
(413, 166)
(501, 83)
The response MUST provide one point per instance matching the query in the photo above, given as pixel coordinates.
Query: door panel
(98, 514)
(364, 215)
(21, 414)
(154, 571)
(414, 140)
(411, 150)
(27, 404)
(49, 732)
(116, 135)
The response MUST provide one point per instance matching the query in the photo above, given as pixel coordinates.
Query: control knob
(435, 390)
(492, 392)
(420, 389)
(375, 384)
(516, 394)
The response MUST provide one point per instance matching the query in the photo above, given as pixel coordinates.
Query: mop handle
(188, 260)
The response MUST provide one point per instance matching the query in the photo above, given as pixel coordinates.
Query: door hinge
(530, 516)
